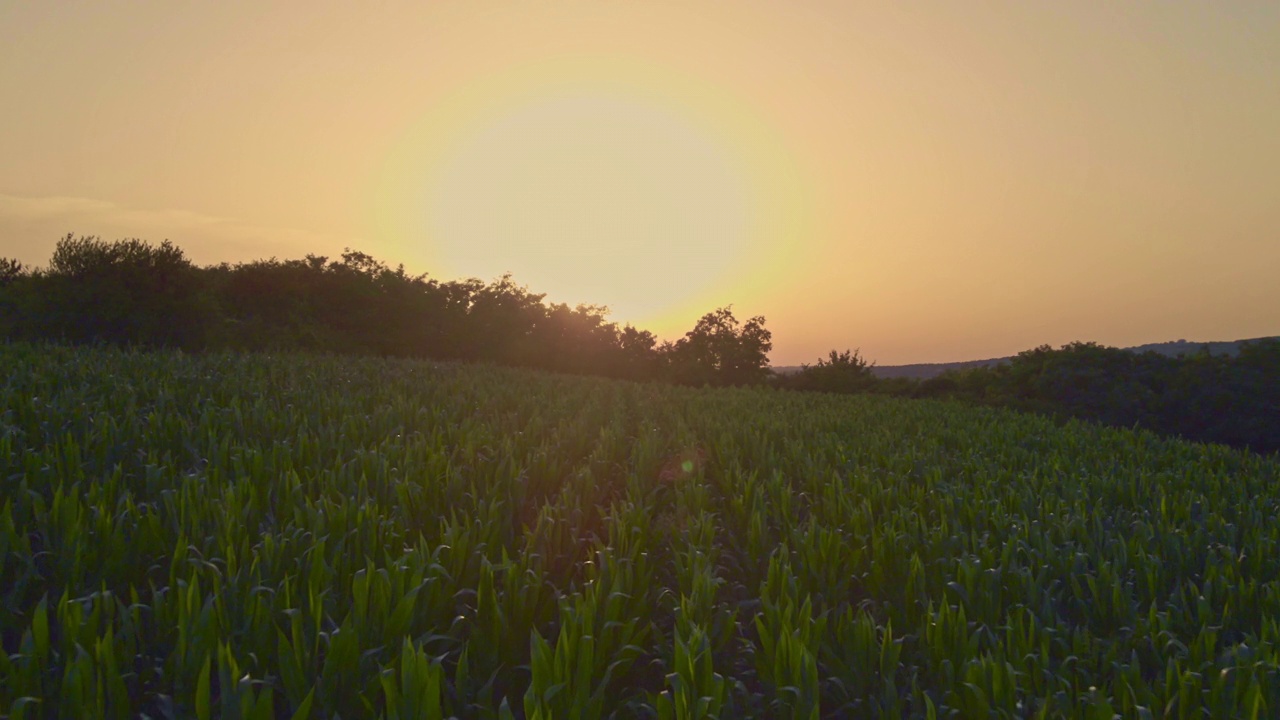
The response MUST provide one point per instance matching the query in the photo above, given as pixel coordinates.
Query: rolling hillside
(922, 371)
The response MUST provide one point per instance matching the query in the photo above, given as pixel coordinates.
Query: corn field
(252, 536)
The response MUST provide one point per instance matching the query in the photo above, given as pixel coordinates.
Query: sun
(593, 198)
(592, 191)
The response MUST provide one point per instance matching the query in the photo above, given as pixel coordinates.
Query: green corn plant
(788, 636)
(240, 697)
(25, 676)
(861, 660)
(562, 684)
(237, 534)
(988, 687)
(697, 578)
(598, 642)
(695, 690)
(791, 669)
(488, 633)
(340, 675)
(949, 641)
(414, 687)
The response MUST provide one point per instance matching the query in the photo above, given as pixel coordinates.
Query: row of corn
(251, 536)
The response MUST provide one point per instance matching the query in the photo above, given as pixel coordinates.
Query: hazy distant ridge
(1172, 348)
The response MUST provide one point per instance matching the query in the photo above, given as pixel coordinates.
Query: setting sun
(593, 197)
(962, 182)
(621, 187)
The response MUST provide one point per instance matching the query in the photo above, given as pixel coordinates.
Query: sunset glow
(928, 183)
(597, 182)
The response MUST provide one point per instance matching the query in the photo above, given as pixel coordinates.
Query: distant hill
(1173, 348)
(921, 371)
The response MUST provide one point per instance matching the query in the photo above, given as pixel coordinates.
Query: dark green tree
(128, 292)
(721, 351)
(11, 271)
(841, 372)
(12, 277)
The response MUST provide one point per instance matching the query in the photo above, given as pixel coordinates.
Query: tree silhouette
(11, 271)
(721, 351)
(128, 292)
(841, 372)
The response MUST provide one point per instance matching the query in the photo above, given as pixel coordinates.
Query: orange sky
(925, 181)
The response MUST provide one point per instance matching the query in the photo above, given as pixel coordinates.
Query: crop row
(305, 536)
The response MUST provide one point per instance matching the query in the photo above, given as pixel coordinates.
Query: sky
(926, 182)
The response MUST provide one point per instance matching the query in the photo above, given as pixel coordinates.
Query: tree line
(134, 293)
(1232, 400)
(131, 292)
